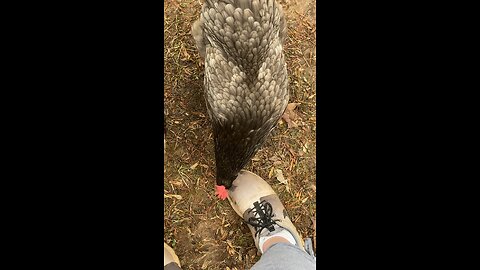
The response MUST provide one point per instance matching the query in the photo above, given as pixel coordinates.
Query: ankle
(271, 241)
(283, 236)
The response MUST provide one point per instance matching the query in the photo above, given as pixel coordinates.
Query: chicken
(245, 79)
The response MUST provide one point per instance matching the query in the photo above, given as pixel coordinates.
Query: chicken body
(245, 77)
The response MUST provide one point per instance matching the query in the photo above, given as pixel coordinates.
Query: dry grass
(204, 231)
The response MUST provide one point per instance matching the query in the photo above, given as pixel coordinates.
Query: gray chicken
(245, 80)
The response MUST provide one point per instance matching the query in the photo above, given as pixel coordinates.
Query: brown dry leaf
(199, 114)
(291, 151)
(230, 248)
(223, 234)
(274, 158)
(176, 183)
(186, 56)
(305, 147)
(205, 264)
(271, 172)
(289, 115)
(280, 177)
(194, 166)
(172, 196)
(292, 106)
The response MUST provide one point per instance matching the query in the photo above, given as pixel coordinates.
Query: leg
(284, 256)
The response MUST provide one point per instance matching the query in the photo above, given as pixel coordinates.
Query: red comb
(221, 192)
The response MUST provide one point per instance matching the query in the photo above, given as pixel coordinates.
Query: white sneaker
(254, 200)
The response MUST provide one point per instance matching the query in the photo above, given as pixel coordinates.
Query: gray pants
(285, 256)
(278, 256)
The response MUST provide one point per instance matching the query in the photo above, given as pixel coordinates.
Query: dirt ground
(205, 232)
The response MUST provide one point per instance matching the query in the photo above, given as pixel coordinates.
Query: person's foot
(254, 200)
(170, 259)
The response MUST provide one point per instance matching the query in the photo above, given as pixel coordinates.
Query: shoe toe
(169, 255)
(246, 189)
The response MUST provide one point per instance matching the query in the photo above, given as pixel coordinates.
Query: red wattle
(221, 192)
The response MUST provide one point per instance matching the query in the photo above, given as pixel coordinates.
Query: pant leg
(285, 256)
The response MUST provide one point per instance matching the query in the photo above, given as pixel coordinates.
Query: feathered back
(245, 76)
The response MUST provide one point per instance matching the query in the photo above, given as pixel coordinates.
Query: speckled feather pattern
(245, 77)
